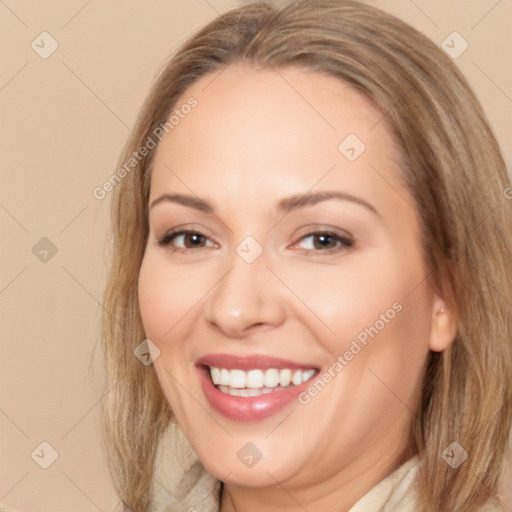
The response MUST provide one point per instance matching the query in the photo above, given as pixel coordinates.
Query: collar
(181, 484)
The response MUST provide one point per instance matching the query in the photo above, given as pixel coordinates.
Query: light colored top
(181, 484)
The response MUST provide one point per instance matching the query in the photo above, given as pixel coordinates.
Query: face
(283, 281)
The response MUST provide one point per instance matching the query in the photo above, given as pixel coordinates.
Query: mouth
(237, 382)
(250, 388)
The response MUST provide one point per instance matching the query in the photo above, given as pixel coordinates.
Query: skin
(251, 141)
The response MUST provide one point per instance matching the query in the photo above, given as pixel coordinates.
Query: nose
(247, 299)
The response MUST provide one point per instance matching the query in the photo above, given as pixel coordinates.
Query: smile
(238, 382)
(252, 388)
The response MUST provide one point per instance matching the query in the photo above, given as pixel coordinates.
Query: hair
(453, 167)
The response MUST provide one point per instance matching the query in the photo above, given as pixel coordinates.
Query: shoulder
(180, 482)
(395, 492)
(398, 491)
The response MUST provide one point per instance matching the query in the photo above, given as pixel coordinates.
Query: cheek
(354, 294)
(163, 298)
(169, 294)
(166, 301)
(153, 299)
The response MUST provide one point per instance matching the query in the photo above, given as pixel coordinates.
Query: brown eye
(185, 240)
(191, 240)
(323, 241)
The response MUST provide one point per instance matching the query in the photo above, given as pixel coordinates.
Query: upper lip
(249, 362)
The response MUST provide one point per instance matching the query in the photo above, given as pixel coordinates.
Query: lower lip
(250, 408)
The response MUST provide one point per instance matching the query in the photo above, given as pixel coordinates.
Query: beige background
(64, 120)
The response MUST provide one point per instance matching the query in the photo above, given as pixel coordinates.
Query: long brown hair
(454, 169)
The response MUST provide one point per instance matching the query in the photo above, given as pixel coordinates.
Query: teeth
(240, 392)
(307, 375)
(237, 379)
(285, 377)
(215, 374)
(297, 377)
(255, 379)
(254, 382)
(224, 377)
(271, 378)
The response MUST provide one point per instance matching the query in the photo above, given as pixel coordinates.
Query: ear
(444, 325)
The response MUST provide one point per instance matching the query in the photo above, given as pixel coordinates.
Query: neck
(340, 492)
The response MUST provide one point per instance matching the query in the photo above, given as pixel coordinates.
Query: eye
(185, 239)
(324, 241)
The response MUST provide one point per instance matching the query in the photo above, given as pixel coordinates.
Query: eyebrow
(286, 205)
(309, 199)
(184, 200)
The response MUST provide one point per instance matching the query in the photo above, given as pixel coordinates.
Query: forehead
(271, 130)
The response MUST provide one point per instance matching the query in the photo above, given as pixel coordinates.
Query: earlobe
(444, 326)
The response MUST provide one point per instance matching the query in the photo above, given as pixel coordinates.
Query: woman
(312, 246)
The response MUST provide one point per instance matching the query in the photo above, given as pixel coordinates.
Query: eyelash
(168, 238)
(344, 242)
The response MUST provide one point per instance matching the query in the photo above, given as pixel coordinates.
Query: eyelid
(346, 239)
(169, 236)
(320, 229)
